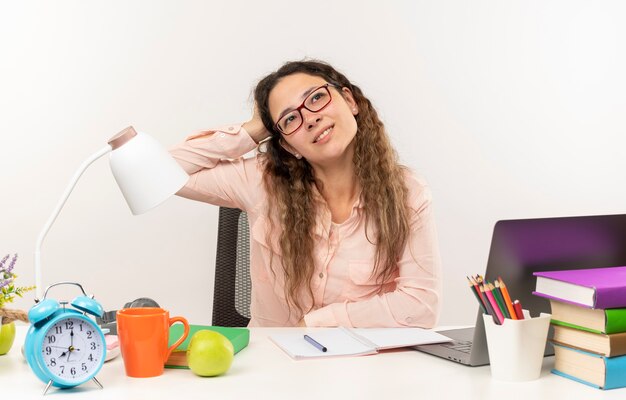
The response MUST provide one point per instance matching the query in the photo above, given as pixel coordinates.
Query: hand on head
(255, 127)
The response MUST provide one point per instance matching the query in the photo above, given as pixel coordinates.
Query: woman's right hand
(255, 127)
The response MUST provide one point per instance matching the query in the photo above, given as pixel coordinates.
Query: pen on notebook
(315, 343)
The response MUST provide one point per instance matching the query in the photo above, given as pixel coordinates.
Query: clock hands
(71, 348)
(68, 350)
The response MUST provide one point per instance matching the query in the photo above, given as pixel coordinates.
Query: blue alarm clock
(64, 347)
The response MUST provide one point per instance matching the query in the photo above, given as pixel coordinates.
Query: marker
(315, 343)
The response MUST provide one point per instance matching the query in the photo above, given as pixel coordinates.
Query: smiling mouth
(323, 134)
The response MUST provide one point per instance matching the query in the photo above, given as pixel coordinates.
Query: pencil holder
(516, 347)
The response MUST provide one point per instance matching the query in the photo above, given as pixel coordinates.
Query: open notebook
(353, 341)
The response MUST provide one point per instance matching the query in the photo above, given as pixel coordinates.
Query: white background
(511, 109)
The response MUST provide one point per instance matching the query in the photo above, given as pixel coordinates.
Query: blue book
(589, 368)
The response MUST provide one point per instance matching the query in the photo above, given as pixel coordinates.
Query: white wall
(511, 109)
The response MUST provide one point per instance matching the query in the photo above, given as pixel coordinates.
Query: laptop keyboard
(463, 346)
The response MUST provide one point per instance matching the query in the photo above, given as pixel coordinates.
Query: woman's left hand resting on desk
(341, 234)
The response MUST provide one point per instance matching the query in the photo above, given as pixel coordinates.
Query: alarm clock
(64, 347)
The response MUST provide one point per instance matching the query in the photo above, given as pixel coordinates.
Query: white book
(342, 341)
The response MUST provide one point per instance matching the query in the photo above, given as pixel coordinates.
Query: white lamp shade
(145, 172)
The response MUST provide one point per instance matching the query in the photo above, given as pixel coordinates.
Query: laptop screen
(521, 247)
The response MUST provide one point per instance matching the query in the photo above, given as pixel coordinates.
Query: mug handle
(182, 337)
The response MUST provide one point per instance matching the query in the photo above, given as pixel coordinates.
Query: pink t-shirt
(345, 294)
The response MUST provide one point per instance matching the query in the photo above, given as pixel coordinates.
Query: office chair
(231, 296)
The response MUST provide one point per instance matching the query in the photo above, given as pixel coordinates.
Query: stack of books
(589, 320)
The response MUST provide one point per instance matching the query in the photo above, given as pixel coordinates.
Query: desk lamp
(145, 172)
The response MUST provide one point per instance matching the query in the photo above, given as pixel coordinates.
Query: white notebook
(353, 341)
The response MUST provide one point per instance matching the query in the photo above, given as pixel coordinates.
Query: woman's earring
(297, 155)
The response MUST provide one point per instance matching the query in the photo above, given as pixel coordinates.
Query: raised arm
(217, 172)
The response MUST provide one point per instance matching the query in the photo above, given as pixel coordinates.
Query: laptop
(521, 247)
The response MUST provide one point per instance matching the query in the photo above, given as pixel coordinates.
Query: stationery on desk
(494, 299)
(516, 347)
(339, 342)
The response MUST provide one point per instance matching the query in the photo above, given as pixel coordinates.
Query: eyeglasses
(315, 102)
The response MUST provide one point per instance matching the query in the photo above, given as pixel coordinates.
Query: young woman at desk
(341, 234)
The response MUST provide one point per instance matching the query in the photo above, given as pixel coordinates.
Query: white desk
(263, 371)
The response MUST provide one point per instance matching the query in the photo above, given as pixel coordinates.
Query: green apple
(209, 353)
(7, 335)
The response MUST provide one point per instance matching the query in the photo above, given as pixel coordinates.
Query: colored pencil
(497, 295)
(490, 309)
(507, 298)
(494, 303)
(517, 306)
(481, 284)
(477, 293)
(502, 302)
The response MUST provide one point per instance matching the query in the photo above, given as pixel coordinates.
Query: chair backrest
(231, 296)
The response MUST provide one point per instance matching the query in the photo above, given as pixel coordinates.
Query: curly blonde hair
(289, 183)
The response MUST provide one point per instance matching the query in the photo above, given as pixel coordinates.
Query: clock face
(72, 349)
